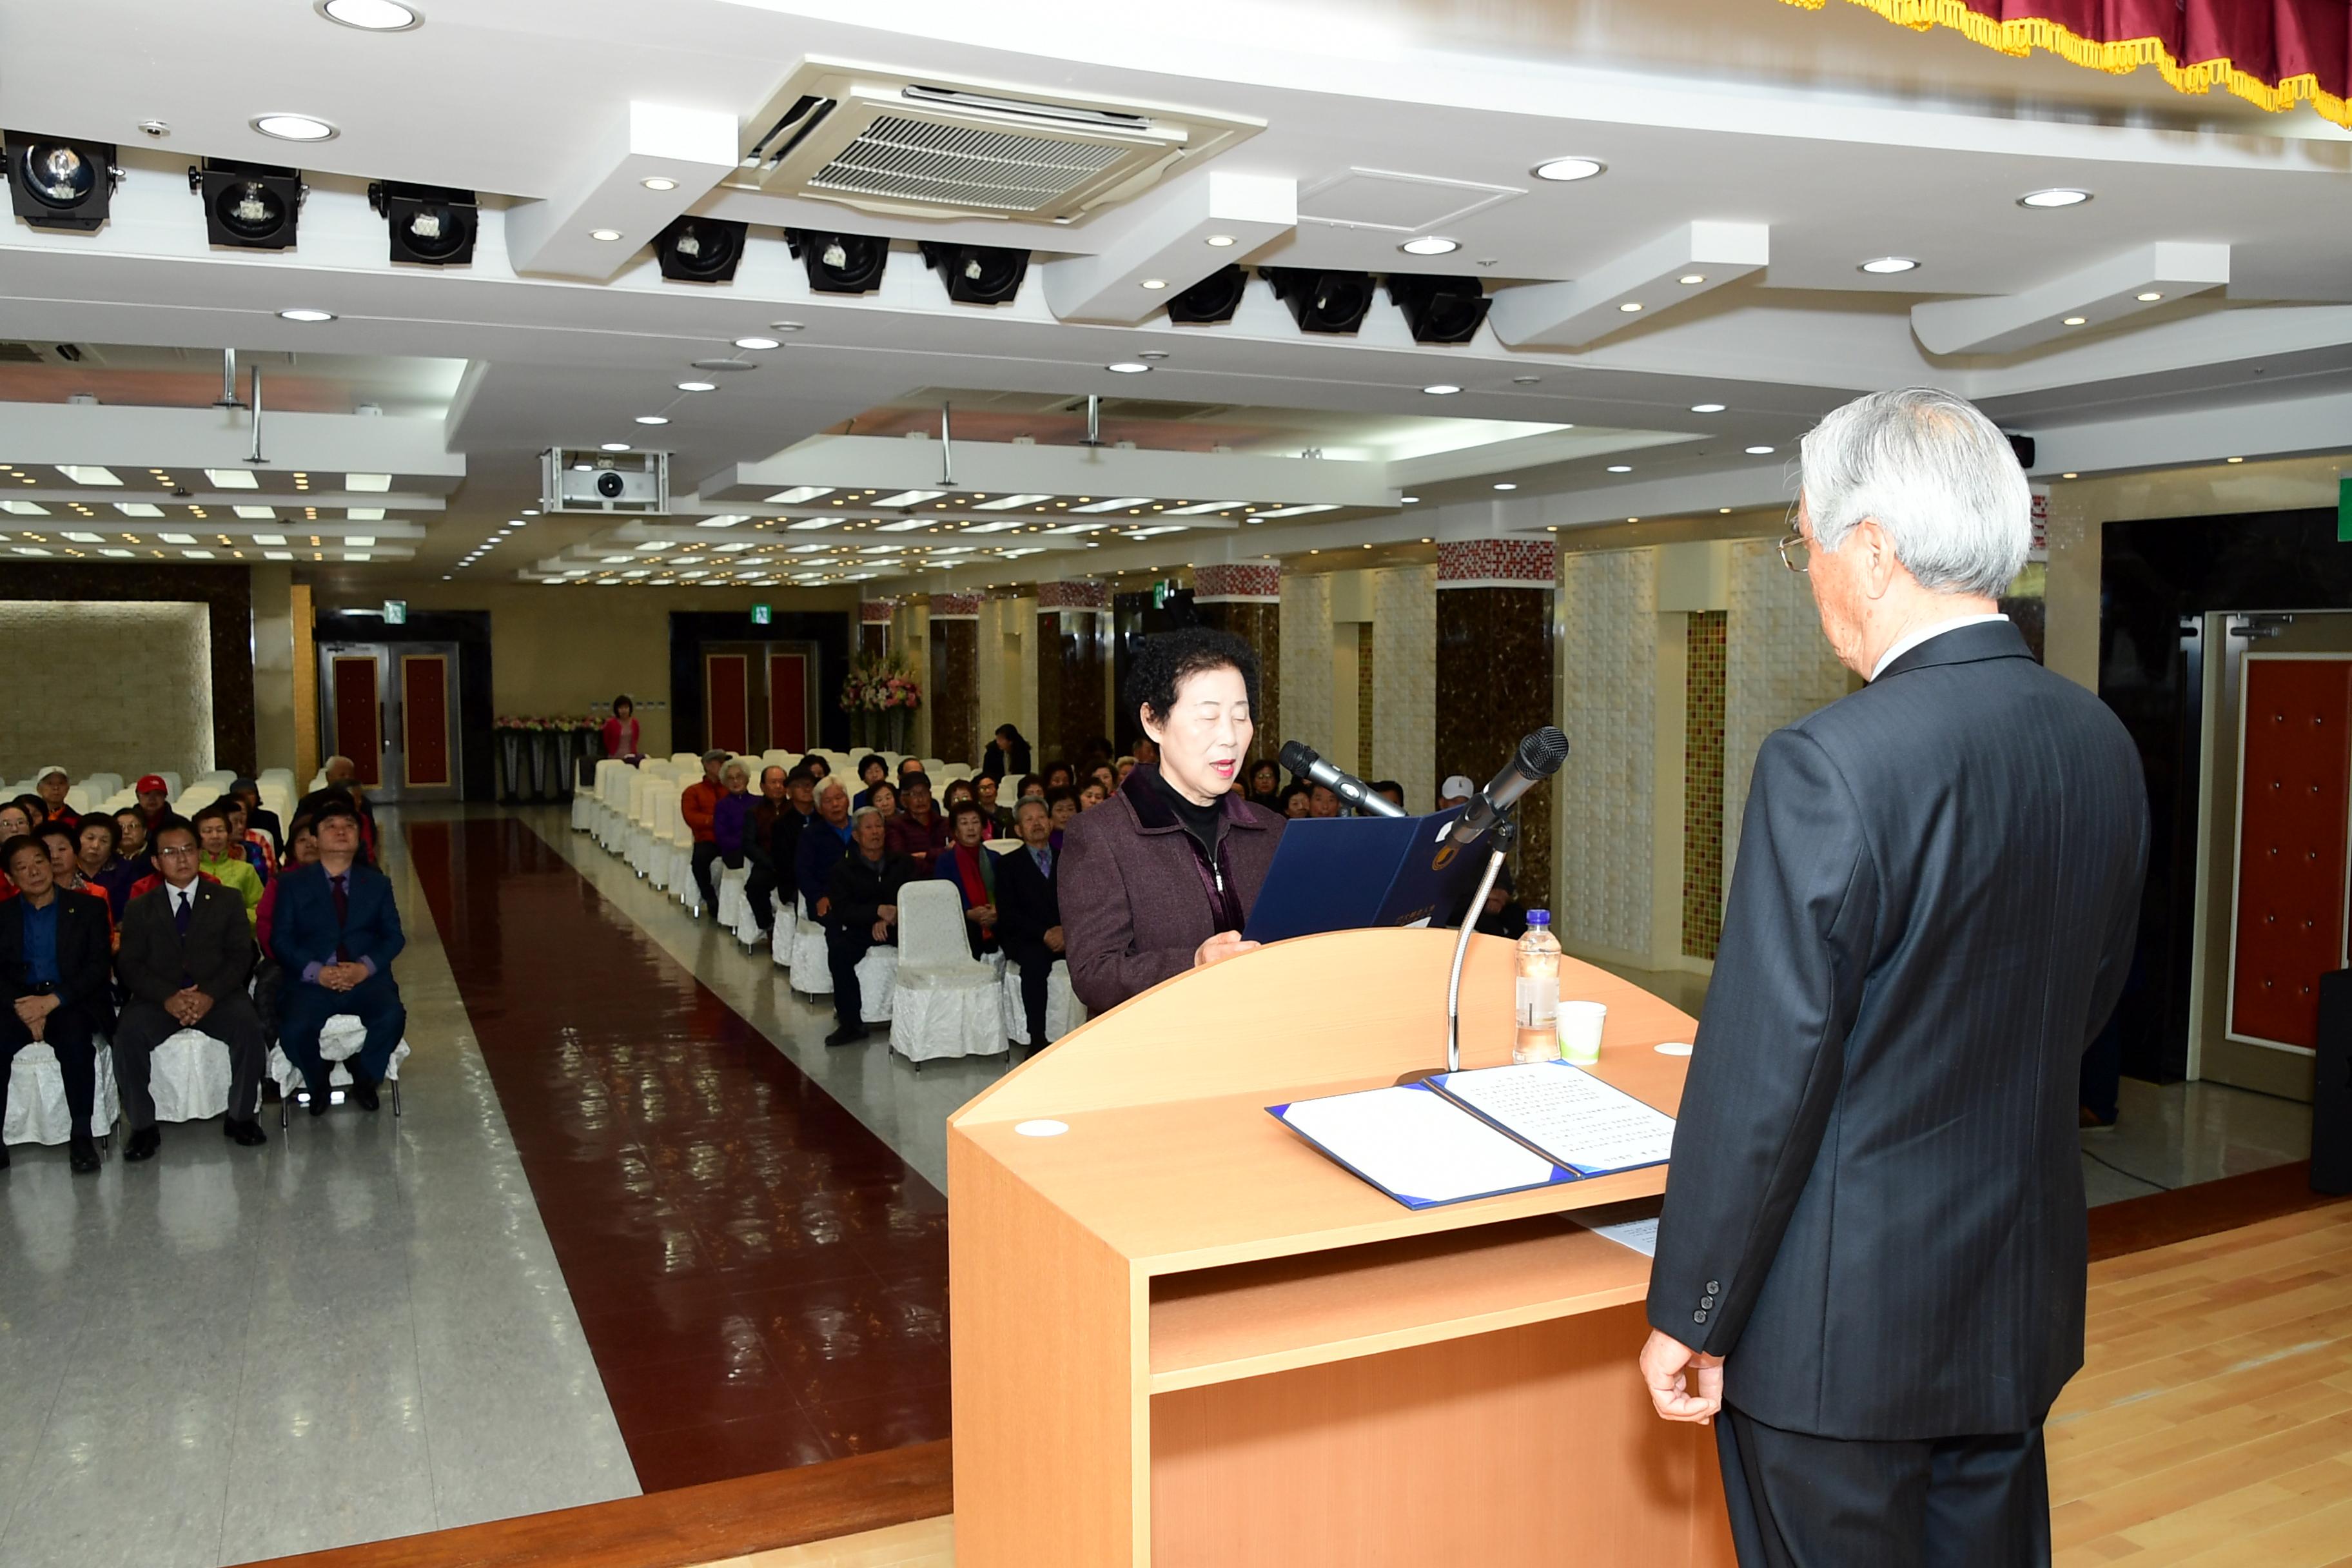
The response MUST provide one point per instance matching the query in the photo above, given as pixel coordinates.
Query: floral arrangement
(544, 723)
(879, 685)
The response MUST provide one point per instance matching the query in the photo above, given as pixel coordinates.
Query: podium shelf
(1248, 1320)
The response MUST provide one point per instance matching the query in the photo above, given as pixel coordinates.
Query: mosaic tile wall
(1703, 643)
(1304, 711)
(1608, 702)
(1405, 698)
(1778, 668)
(954, 696)
(107, 687)
(1495, 683)
(1366, 731)
(1257, 622)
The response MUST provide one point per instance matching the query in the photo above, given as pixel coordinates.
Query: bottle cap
(1539, 917)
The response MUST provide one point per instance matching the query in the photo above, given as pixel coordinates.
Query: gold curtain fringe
(2024, 35)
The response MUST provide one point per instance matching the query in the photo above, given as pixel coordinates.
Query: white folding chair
(1001, 845)
(189, 1078)
(37, 1098)
(340, 1039)
(812, 972)
(1064, 1011)
(947, 1000)
(732, 905)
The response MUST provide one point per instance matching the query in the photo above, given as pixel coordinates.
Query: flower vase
(510, 756)
(895, 719)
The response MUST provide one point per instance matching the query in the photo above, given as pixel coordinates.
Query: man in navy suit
(1872, 1262)
(336, 932)
(1029, 907)
(55, 947)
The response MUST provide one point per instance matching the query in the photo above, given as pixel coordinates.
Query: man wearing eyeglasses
(336, 931)
(185, 955)
(53, 959)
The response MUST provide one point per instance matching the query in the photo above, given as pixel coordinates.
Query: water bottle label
(1537, 999)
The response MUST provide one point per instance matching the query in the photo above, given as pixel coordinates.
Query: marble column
(1246, 598)
(872, 629)
(954, 696)
(1073, 668)
(1495, 678)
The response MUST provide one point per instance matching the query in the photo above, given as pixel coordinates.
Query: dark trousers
(1034, 973)
(704, 877)
(145, 1026)
(304, 1009)
(1802, 1501)
(843, 949)
(69, 1034)
(759, 889)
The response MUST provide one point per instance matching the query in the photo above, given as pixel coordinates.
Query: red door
(788, 702)
(359, 721)
(2295, 789)
(727, 693)
(425, 720)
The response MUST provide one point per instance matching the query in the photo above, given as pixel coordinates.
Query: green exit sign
(762, 615)
(2344, 511)
(395, 612)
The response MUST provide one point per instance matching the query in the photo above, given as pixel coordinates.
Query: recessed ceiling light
(531, 511)
(784, 326)
(1408, 500)
(1707, 408)
(1221, 240)
(1443, 389)
(659, 184)
(1630, 306)
(1569, 169)
(2077, 321)
(1155, 283)
(1688, 279)
(698, 386)
(1621, 468)
(1430, 245)
(652, 419)
(292, 127)
(2149, 297)
(616, 446)
(2069, 475)
(1759, 451)
(606, 235)
(2061, 197)
(1887, 264)
(1504, 485)
(306, 314)
(1724, 510)
(370, 16)
(2233, 459)
(1127, 367)
(758, 343)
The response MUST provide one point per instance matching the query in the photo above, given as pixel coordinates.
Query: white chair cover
(1064, 1011)
(946, 1002)
(37, 1098)
(1001, 845)
(339, 1041)
(189, 1077)
(746, 925)
(812, 973)
(877, 984)
(731, 903)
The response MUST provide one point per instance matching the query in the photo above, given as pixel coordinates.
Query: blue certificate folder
(1351, 873)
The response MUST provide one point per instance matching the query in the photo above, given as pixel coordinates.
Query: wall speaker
(1322, 302)
(1213, 299)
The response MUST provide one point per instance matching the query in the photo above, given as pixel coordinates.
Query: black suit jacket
(85, 952)
(1028, 905)
(217, 952)
(1875, 1205)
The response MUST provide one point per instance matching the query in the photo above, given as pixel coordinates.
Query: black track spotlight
(431, 225)
(1213, 299)
(1322, 302)
(840, 263)
(700, 249)
(249, 206)
(977, 274)
(56, 183)
(1439, 310)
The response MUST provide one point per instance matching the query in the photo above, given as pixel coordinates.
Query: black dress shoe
(320, 1099)
(81, 1155)
(144, 1141)
(363, 1092)
(249, 1134)
(847, 1034)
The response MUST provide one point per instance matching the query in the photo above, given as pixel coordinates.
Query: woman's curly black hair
(1165, 662)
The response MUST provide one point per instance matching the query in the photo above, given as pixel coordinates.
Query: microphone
(1353, 791)
(1539, 757)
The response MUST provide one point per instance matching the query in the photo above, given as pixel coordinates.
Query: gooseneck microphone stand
(1500, 840)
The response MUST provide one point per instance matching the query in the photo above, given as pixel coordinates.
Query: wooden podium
(1183, 1338)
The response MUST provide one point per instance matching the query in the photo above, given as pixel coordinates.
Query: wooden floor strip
(2159, 1219)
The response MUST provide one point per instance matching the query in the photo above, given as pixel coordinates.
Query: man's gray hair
(858, 818)
(1935, 473)
(830, 783)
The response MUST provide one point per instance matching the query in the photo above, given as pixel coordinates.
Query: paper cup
(1579, 1031)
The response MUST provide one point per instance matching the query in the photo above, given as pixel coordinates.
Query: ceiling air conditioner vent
(882, 141)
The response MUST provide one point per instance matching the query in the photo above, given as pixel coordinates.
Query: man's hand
(33, 1009)
(1053, 938)
(881, 931)
(198, 1005)
(824, 908)
(889, 913)
(1225, 944)
(342, 976)
(1667, 1366)
(982, 914)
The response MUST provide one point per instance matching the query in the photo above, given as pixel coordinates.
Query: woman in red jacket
(621, 729)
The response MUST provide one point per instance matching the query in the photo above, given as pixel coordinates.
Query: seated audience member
(1062, 806)
(222, 859)
(336, 931)
(862, 913)
(130, 836)
(1123, 767)
(155, 798)
(1092, 795)
(1295, 802)
(968, 863)
(17, 820)
(61, 842)
(1389, 791)
(699, 804)
(1104, 774)
(1031, 787)
(34, 809)
(268, 975)
(768, 807)
(1008, 754)
(186, 954)
(822, 842)
(1264, 784)
(51, 783)
(1147, 749)
(1322, 800)
(730, 819)
(1503, 914)
(251, 842)
(103, 869)
(621, 734)
(1029, 910)
(54, 955)
(818, 767)
(871, 771)
(883, 797)
(918, 832)
(958, 789)
(1456, 790)
(907, 765)
(1000, 817)
(343, 779)
(1058, 776)
(259, 819)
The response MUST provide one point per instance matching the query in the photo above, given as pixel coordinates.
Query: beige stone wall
(1304, 711)
(1404, 681)
(1606, 797)
(1778, 668)
(119, 688)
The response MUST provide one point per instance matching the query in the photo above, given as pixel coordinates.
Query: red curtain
(2274, 53)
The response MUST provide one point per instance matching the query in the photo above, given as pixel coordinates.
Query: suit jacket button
(1712, 1287)
(1707, 1301)
(1698, 1317)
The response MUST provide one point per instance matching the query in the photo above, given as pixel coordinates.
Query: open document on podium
(1480, 1134)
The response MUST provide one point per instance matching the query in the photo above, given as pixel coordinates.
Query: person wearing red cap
(154, 799)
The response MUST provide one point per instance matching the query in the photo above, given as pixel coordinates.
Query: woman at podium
(1162, 877)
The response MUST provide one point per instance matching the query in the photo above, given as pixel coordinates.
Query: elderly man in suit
(186, 953)
(1871, 1263)
(1029, 905)
(335, 930)
(54, 949)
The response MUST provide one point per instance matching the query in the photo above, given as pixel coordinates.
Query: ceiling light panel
(1004, 503)
(2107, 292)
(1115, 504)
(800, 494)
(909, 497)
(370, 483)
(93, 474)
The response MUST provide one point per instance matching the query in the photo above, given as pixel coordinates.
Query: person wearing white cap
(51, 783)
(1456, 790)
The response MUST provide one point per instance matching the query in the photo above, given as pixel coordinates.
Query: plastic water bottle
(1537, 992)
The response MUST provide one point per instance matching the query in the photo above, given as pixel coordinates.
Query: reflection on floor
(355, 1333)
